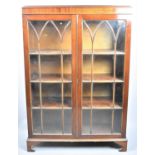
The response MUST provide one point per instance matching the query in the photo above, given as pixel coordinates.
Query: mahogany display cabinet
(77, 73)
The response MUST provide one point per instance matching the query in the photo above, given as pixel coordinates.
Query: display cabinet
(77, 73)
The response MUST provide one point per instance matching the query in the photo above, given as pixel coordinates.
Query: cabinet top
(27, 10)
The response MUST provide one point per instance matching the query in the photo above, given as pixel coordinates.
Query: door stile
(79, 74)
(74, 77)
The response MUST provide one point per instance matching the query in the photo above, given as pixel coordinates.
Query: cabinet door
(50, 64)
(102, 55)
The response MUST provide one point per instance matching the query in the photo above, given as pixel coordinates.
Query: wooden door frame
(27, 70)
(127, 18)
(76, 96)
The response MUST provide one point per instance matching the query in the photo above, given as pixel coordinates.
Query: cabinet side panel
(27, 77)
(126, 77)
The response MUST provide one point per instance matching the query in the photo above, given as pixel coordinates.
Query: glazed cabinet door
(102, 52)
(49, 59)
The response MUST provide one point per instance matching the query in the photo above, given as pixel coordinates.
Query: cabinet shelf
(85, 52)
(54, 106)
(98, 78)
(54, 102)
(49, 52)
(53, 79)
(86, 78)
(102, 52)
(99, 103)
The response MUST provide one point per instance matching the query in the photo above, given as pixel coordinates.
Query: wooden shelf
(49, 52)
(85, 52)
(86, 104)
(53, 105)
(99, 103)
(99, 78)
(53, 79)
(86, 78)
(102, 52)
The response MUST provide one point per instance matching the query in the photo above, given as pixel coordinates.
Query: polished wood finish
(77, 14)
(74, 74)
(27, 75)
(123, 145)
(77, 10)
(126, 77)
(79, 74)
(99, 103)
(32, 142)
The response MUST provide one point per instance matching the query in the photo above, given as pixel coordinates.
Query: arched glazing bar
(61, 36)
(38, 35)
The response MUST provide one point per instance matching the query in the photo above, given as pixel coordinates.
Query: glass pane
(120, 67)
(86, 100)
(51, 60)
(34, 67)
(86, 68)
(36, 118)
(67, 70)
(50, 68)
(117, 121)
(50, 36)
(102, 95)
(51, 95)
(34, 29)
(68, 121)
(101, 35)
(86, 121)
(50, 39)
(98, 35)
(101, 121)
(52, 122)
(114, 24)
(65, 28)
(102, 68)
(35, 94)
(118, 26)
(103, 43)
(119, 94)
(67, 94)
(86, 38)
(103, 38)
(121, 36)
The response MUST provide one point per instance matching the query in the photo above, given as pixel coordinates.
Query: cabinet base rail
(120, 142)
